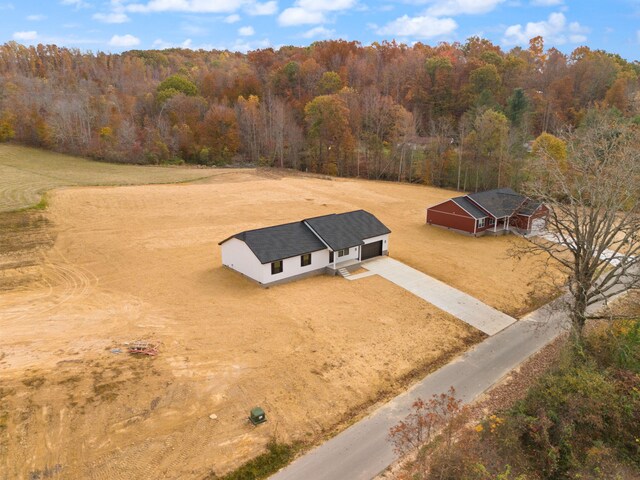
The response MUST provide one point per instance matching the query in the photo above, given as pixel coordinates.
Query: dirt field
(143, 262)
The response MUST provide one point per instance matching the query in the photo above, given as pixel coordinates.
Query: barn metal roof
(338, 231)
(501, 202)
(346, 230)
(470, 207)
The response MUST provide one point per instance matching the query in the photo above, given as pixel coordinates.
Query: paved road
(363, 451)
(459, 304)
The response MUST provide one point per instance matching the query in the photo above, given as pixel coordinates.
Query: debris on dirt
(144, 347)
(213, 416)
(116, 350)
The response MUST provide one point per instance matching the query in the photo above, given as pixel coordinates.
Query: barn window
(481, 223)
(276, 267)
(343, 252)
(305, 260)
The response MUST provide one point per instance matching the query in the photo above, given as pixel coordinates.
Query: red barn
(494, 212)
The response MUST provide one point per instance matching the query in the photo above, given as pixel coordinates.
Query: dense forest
(451, 115)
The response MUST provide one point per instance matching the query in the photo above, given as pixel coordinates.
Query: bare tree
(593, 228)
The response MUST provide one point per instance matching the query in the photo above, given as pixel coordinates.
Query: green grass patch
(278, 455)
(42, 204)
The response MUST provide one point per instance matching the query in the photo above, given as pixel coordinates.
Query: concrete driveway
(459, 304)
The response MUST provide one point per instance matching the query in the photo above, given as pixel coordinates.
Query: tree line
(452, 115)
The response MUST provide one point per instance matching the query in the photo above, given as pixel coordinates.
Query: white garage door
(537, 226)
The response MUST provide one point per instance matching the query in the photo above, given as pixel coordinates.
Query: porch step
(343, 272)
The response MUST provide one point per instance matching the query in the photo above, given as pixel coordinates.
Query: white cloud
(195, 30)
(192, 6)
(25, 36)
(232, 18)
(439, 8)
(76, 3)
(326, 5)
(300, 16)
(246, 31)
(112, 17)
(418, 27)
(546, 3)
(243, 46)
(161, 44)
(7, 6)
(36, 18)
(124, 41)
(554, 30)
(306, 12)
(319, 32)
(267, 8)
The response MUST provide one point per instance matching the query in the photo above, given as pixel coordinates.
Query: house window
(305, 260)
(343, 252)
(276, 267)
(481, 223)
(491, 221)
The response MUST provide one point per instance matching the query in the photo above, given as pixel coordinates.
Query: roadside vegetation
(278, 455)
(580, 420)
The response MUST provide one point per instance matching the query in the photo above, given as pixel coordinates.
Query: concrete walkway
(363, 450)
(453, 301)
(614, 258)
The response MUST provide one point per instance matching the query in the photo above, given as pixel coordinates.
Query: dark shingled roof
(470, 207)
(346, 230)
(292, 239)
(280, 242)
(501, 202)
(529, 207)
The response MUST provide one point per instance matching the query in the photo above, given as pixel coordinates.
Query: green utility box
(257, 416)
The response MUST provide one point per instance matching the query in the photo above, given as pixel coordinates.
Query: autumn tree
(249, 123)
(7, 131)
(331, 141)
(441, 414)
(551, 150)
(219, 135)
(174, 85)
(594, 219)
(489, 141)
(329, 83)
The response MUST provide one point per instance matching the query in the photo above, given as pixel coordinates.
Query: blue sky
(117, 25)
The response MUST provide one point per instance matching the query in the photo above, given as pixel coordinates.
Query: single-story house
(312, 246)
(491, 212)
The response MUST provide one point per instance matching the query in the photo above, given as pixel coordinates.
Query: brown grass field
(107, 265)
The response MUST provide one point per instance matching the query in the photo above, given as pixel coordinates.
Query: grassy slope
(27, 173)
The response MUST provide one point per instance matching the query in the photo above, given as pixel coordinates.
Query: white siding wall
(237, 255)
(291, 267)
(352, 255)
